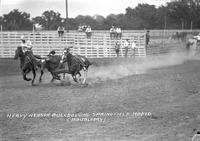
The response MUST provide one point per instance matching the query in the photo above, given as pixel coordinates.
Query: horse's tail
(86, 59)
(88, 62)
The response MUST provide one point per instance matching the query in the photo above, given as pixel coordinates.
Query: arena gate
(98, 46)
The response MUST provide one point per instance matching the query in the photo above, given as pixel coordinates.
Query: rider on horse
(27, 49)
(51, 54)
(67, 50)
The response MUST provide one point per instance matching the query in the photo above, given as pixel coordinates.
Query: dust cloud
(120, 68)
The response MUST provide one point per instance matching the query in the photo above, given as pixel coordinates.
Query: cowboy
(23, 43)
(147, 38)
(67, 50)
(27, 49)
(126, 46)
(117, 48)
(60, 31)
(112, 32)
(133, 46)
(51, 54)
(197, 41)
(88, 32)
(118, 33)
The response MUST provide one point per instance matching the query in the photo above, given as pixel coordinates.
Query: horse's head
(18, 53)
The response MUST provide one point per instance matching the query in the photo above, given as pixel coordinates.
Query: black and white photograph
(99, 70)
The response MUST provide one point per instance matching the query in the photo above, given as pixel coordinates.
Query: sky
(75, 7)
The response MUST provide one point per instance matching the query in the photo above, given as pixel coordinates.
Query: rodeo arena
(137, 86)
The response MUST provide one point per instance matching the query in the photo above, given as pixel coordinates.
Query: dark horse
(75, 64)
(26, 64)
(52, 63)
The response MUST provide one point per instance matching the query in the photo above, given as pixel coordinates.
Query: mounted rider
(51, 55)
(80, 59)
(27, 50)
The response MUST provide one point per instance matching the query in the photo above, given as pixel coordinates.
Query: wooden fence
(100, 44)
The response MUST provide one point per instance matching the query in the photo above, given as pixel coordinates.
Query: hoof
(29, 79)
(84, 85)
(32, 84)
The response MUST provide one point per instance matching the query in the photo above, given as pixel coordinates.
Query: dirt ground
(150, 99)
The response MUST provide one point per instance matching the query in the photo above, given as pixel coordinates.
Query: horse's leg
(41, 74)
(63, 75)
(34, 75)
(78, 73)
(25, 72)
(52, 77)
(85, 77)
(74, 77)
(52, 80)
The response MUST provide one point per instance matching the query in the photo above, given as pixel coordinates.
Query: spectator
(60, 31)
(147, 38)
(126, 46)
(112, 32)
(198, 39)
(118, 33)
(117, 48)
(133, 46)
(188, 46)
(80, 28)
(88, 32)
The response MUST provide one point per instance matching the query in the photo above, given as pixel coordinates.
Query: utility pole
(165, 26)
(66, 20)
(1, 20)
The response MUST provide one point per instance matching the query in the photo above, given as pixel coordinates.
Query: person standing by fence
(112, 32)
(133, 46)
(147, 38)
(60, 31)
(88, 32)
(126, 46)
(197, 43)
(117, 48)
(119, 33)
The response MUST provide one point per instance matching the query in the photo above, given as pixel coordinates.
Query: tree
(88, 20)
(50, 20)
(99, 21)
(145, 13)
(72, 24)
(185, 11)
(1, 20)
(16, 20)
